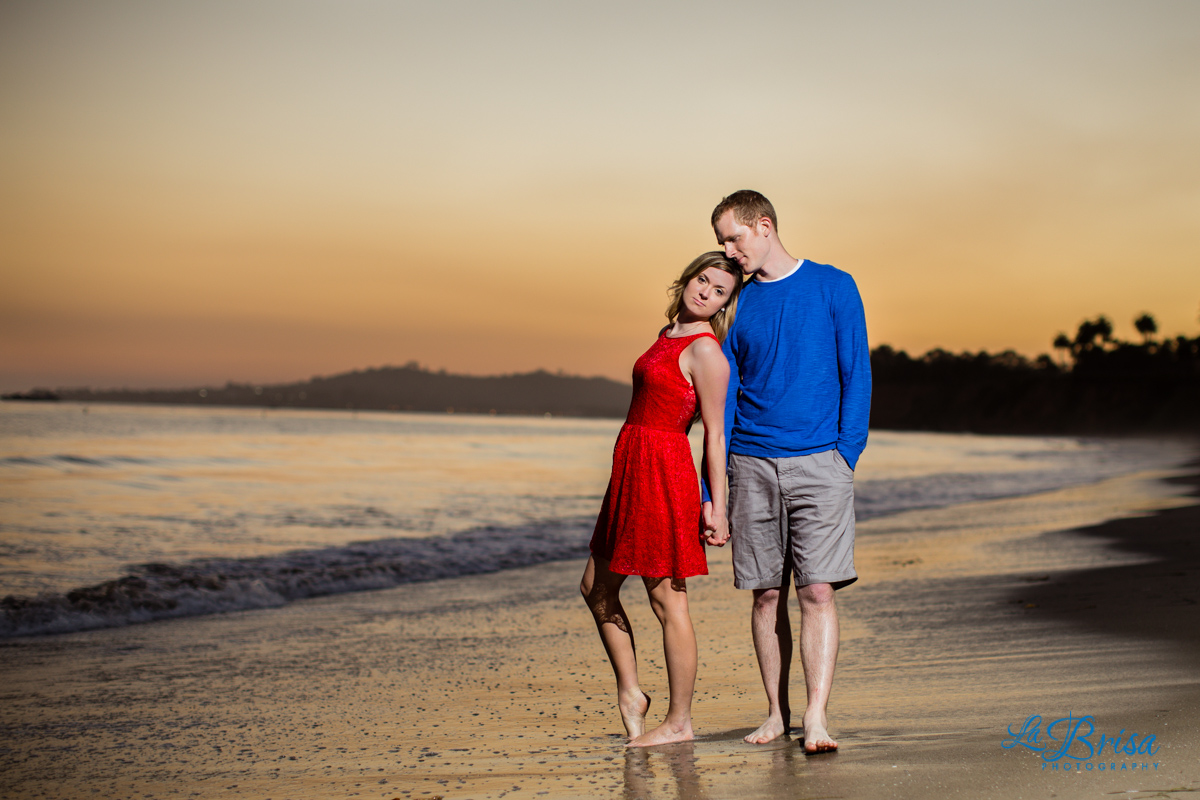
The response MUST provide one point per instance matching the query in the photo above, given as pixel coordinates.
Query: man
(796, 423)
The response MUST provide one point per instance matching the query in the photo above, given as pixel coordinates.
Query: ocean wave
(877, 498)
(209, 586)
(61, 460)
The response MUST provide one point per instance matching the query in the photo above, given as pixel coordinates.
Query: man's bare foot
(664, 734)
(816, 737)
(769, 731)
(634, 705)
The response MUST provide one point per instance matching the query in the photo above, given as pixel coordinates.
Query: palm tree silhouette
(1146, 326)
(1063, 345)
(1089, 331)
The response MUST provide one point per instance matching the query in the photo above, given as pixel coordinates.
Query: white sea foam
(206, 586)
(241, 509)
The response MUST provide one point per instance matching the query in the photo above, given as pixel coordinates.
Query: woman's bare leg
(601, 588)
(669, 600)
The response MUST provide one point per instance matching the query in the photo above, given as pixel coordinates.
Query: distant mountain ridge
(407, 388)
(1111, 386)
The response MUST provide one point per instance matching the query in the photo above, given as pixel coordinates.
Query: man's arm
(854, 372)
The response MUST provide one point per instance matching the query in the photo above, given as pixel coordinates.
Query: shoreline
(1171, 579)
(173, 582)
(495, 685)
(1060, 428)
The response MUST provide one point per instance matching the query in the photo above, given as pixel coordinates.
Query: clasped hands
(716, 526)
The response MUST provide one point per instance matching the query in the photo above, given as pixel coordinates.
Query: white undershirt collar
(790, 273)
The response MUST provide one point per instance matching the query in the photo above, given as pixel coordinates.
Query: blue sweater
(800, 367)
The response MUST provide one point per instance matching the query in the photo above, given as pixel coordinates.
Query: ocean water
(119, 514)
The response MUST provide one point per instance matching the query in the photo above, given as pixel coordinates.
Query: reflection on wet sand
(494, 686)
(721, 765)
(645, 768)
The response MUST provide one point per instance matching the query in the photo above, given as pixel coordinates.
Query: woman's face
(707, 293)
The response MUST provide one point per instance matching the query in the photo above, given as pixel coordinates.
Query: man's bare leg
(669, 600)
(772, 632)
(601, 589)
(819, 634)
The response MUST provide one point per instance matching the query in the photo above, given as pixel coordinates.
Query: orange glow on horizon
(264, 193)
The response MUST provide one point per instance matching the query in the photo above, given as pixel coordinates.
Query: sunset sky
(266, 191)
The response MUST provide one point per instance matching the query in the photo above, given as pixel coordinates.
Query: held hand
(706, 509)
(718, 534)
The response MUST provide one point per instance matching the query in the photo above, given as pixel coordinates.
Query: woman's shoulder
(706, 345)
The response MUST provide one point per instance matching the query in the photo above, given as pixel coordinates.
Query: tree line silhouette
(1100, 385)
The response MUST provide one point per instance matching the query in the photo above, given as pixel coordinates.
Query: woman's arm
(709, 371)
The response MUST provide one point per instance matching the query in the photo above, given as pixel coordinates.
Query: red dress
(650, 522)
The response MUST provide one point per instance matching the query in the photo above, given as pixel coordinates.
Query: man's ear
(764, 226)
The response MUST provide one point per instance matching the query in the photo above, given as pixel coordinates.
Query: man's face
(745, 244)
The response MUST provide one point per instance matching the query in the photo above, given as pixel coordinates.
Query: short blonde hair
(748, 207)
(723, 319)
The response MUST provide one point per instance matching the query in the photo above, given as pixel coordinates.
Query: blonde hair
(748, 207)
(723, 319)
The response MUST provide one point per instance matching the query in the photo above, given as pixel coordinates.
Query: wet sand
(965, 621)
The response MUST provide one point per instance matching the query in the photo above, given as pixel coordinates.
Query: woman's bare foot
(769, 731)
(634, 705)
(816, 737)
(666, 733)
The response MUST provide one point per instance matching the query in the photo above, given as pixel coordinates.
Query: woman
(650, 522)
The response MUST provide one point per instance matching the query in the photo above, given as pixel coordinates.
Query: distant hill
(407, 388)
(1111, 386)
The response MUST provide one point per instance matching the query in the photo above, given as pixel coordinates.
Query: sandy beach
(966, 621)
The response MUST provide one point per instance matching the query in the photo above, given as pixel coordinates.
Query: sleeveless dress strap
(695, 336)
(689, 339)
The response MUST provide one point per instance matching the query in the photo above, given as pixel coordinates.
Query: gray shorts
(802, 506)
